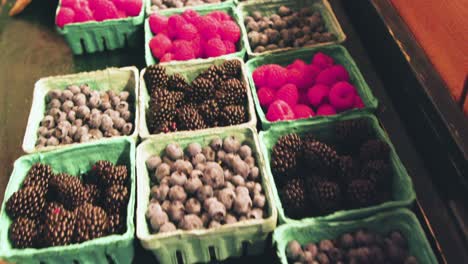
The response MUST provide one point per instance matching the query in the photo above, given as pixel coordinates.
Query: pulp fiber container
(94, 36)
(268, 8)
(190, 71)
(196, 7)
(203, 10)
(401, 220)
(116, 79)
(202, 245)
(75, 160)
(403, 194)
(339, 54)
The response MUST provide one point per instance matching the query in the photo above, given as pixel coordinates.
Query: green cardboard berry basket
(339, 54)
(228, 8)
(402, 186)
(116, 79)
(190, 71)
(268, 8)
(402, 220)
(75, 161)
(197, 7)
(94, 36)
(196, 245)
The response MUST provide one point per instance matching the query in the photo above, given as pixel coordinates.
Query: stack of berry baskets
(316, 84)
(195, 96)
(92, 26)
(395, 237)
(337, 170)
(194, 35)
(82, 107)
(203, 196)
(278, 26)
(72, 205)
(154, 6)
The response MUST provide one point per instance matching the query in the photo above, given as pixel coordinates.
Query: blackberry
(232, 68)
(162, 108)
(93, 194)
(177, 82)
(179, 98)
(377, 171)
(374, 149)
(39, 175)
(113, 175)
(26, 202)
(167, 126)
(209, 110)
(116, 223)
(325, 195)
(351, 133)
(361, 193)
(69, 190)
(116, 198)
(189, 119)
(232, 115)
(91, 223)
(309, 137)
(233, 92)
(285, 154)
(156, 77)
(23, 233)
(293, 197)
(321, 156)
(347, 168)
(214, 74)
(58, 226)
(200, 90)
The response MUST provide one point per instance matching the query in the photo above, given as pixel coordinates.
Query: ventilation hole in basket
(110, 260)
(127, 42)
(179, 257)
(76, 261)
(83, 45)
(104, 43)
(212, 252)
(245, 247)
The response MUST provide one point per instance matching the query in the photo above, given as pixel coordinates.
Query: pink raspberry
(65, 16)
(207, 27)
(190, 15)
(303, 98)
(68, 3)
(358, 103)
(259, 75)
(182, 50)
(197, 46)
(333, 75)
(297, 64)
(322, 60)
(275, 76)
(279, 110)
(187, 32)
(303, 111)
(121, 14)
(220, 16)
(229, 31)
(230, 47)
(167, 57)
(342, 96)
(160, 44)
(214, 48)
(326, 110)
(132, 7)
(105, 10)
(318, 95)
(83, 14)
(289, 94)
(158, 23)
(174, 24)
(266, 95)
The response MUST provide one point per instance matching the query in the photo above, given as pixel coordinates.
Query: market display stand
(41, 52)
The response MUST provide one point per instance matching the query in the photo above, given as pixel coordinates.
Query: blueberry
(312, 248)
(71, 116)
(124, 95)
(346, 241)
(216, 210)
(122, 106)
(214, 224)
(411, 260)
(48, 122)
(82, 112)
(85, 89)
(293, 250)
(126, 115)
(335, 255)
(230, 219)
(78, 122)
(167, 227)
(153, 162)
(231, 144)
(256, 213)
(95, 120)
(160, 192)
(115, 100)
(227, 196)
(52, 141)
(394, 252)
(259, 201)
(326, 245)
(193, 149)
(238, 180)
(204, 192)
(190, 222)
(242, 204)
(178, 178)
(41, 141)
(106, 122)
(213, 175)
(254, 174)
(192, 206)
(240, 167)
(398, 239)
(174, 151)
(209, 153)
(162, 171)
(54, 103)
(79, 99)
(176, 211)
(66, 95)
(54, 94)
(250, 161)
(177, 193)
(127, 129)
(216, 144)
(74, 89)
